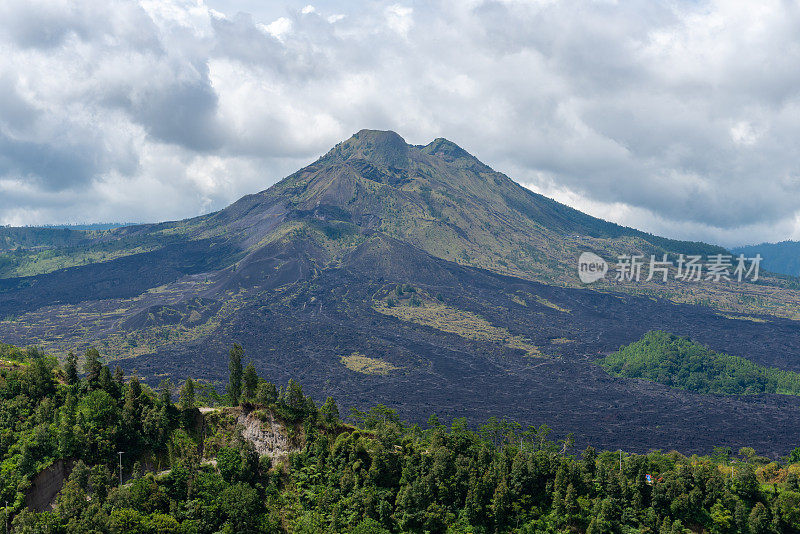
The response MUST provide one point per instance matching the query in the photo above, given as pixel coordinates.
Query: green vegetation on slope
(681, 363)
(10, 353)
(377, 476)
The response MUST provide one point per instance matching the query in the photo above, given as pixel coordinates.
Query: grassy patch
(369, 366)
(743, 318)
(545, 302)
(421, 309)
(519, 300)
(31, 263)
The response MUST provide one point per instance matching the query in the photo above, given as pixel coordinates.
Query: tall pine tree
(235, 369)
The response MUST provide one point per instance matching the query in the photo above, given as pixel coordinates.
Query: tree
(433, 421)
(186, 400)
(294, 398)
(166, 412)
(745, 482)
(66, 435)
(721, 454)
(39, 377)
(250, 379)
(369, 526)
(105, 381)
(92, 366)
(571, 506)
(71, 500)
(787, 508)
(71, 369)
(235, 369)
(501, 505)
(721, 517)
(131, 409)
(162, 523)
(677, 527)
(119, 377)
(126, 521)
(100, 480)
(759, 520)
(266, 393)
(329, 413)
(240, 503)
(229, 463)
(747, 453)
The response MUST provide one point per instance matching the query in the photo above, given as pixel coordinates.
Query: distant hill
(410, 275)
(783, 257)
(88, 227)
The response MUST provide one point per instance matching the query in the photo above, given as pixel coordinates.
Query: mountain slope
(455, 282)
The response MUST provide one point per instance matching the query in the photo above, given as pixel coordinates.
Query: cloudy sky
(680, 118)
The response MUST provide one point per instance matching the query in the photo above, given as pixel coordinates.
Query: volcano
(413, 276)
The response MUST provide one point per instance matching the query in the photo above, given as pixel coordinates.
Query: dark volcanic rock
(454, 377)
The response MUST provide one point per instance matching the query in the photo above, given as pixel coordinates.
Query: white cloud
(400, 18)
(743, 133)
(680, 118)
(278, 28)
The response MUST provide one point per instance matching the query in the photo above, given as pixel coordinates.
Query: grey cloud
(56, 168)
(16, 113)
(184, 112)
(67, 164)
(686, 114)
(42, 25)
(46, 25)
(240, 38)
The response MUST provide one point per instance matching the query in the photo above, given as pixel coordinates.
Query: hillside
(269, 460)
(436, 197)
(302, 274)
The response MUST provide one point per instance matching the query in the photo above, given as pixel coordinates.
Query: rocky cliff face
(45, 486)
(269, 436)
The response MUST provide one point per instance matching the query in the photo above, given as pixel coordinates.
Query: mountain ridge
(782, 257)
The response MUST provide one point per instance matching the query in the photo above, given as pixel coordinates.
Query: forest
(187, 467)
(682, 363)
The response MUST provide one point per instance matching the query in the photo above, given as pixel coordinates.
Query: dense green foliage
(10, 353)
(681, 363)
(377, 476)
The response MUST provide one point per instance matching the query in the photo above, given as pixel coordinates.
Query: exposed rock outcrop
(269, 436)
(45, 486)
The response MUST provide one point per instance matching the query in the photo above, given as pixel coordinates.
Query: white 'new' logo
(591, 267)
